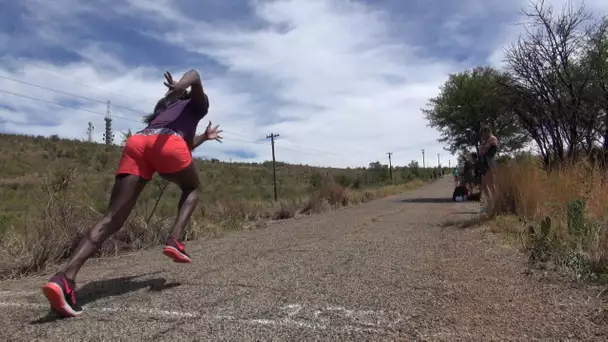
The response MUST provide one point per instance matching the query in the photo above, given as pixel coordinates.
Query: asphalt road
(387, 270)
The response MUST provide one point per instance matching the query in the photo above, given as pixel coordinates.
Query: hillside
(54, 188)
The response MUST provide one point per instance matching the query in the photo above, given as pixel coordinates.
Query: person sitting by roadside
(468, 172)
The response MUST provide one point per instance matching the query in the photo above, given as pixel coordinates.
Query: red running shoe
(176, 250)
(62, 296)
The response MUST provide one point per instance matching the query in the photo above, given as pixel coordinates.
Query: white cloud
(341, 82)
(353, 86)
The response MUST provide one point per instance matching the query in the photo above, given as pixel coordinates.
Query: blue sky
(341, 81)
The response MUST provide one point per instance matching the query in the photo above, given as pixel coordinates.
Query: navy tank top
(180, 116)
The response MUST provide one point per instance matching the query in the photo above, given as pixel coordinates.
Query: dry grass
(562, 215)
(52, 190)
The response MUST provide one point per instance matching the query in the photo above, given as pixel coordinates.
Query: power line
(282, 145)
(135, 110)
(298, 150)
(81, 83)
(415, 145)
(144, 113)
(87, 110)
(51, 102)
(113, 105)
(129, 119)
(77, 81)
(286, 146)
(68, 94)
(50, 89)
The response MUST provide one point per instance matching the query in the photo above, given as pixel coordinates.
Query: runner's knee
(109, 224)
(191, 194)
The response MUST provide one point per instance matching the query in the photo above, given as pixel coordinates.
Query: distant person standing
(455, 174)
(489, 148)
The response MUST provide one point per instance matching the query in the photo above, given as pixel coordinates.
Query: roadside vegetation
(52, 189)
(562, 214)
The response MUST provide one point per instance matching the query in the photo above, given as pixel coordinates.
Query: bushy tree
(550, 81)
(553, 92)
(469, 100)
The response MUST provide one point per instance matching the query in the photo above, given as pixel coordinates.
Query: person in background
(476, 168)
(468, 172)
(164, 146)
(487, 154)
(455, 174)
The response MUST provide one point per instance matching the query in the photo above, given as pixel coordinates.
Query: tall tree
(596, 56)
(469, 100)
(550, 81)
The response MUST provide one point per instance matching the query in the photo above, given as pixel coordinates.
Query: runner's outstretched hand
(212, 133)
(172, 91)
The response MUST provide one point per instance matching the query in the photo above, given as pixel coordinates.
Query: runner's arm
(198, 97)
(198, 141)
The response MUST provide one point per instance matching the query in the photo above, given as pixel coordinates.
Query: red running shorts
(143, 155)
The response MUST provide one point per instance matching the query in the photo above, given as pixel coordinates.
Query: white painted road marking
(151, 312)
(18, 293)
(319, 319)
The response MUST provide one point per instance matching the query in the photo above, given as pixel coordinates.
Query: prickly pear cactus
(545, 227)
(575, 211)
(540, 246)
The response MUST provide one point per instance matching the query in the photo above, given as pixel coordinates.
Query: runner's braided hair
(162, 104)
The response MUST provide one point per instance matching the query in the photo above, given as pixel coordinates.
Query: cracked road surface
(385, 270)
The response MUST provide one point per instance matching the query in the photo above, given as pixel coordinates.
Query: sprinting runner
(164, 146)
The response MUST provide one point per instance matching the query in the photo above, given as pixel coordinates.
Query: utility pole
(423, 163)
(390, 165)
(90, 132)
(438, 161)
(450, 163)
(274, 168)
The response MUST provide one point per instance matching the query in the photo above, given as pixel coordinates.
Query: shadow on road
(428, 200)
(96, 290)
(475, 220)
(470, 212)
